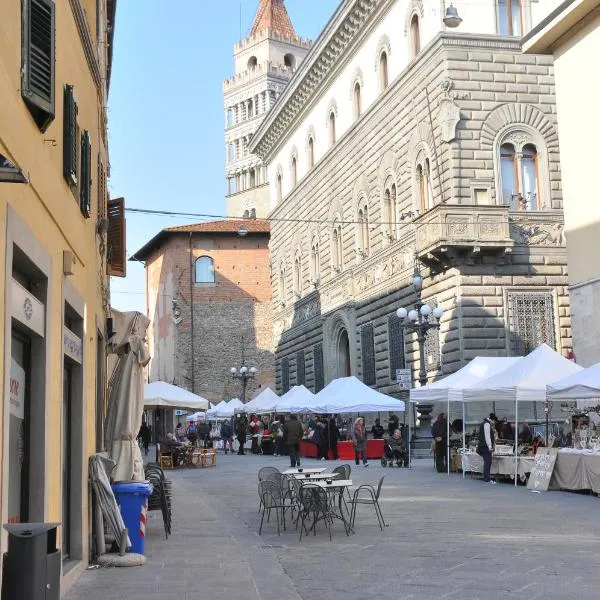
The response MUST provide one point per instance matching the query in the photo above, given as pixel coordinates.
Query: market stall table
(374, 450)
(576, 470)
(502, 464)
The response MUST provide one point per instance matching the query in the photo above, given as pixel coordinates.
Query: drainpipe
(192, 313)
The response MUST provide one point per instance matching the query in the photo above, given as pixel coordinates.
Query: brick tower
(264, 63)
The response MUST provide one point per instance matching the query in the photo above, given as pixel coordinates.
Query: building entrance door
(19, 444)
(67, 444)
(344, 364)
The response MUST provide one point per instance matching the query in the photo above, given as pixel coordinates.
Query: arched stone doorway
(344, 364)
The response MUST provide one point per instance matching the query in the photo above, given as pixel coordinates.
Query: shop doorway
(67, 449)
(19, 429)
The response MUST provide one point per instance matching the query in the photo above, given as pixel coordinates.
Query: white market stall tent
(197, 416)
(225, 410)
(160, 394)
(350, 395)
(451, 388)
(262, 403)
(298, 400)
(524, 381)
(580, 385)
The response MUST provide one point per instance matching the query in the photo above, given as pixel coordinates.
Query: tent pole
(463, 434)
(409, 433)
(448, 437)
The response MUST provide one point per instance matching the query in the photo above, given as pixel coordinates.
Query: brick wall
(237, 304)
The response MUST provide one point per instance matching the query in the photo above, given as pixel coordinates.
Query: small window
(389, 210)
(311, 152)
(282, 285)
(510, 17)
(424, 186)
(298, 276)
(252, 62)
(289, 60)
(508, 169)
(357, 100)
(252, 177)
(37, 60)
(315, 263)
(279, 188)
(363, 224)
(294, 170)
(415, 36)
(85, 187)
(529, 166)
(336, 248)
(383, 71)
(230, 117)
(332, 137)
(205, 270)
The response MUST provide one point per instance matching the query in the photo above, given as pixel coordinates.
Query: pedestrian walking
(293, 437)
(227, 435)
(334, 434)
(439, 431)
(145, 435)
(359, 439)
(487, 445)
(241, 431)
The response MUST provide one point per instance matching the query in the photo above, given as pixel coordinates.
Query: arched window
(205, 270)
(415, 36)
(315, 263)
(519, 174)
(357, 100)
(389, 210)
(250, 109)
(252, 177)
(289, 60)
(282, 285)
(311, 152)
(383, 71)
(425, 197)
(363, 224)
(332, 138)
(252, 62)
(294, 170)
(336, 248)
(510, 17)
(298, 275)
(279, 188)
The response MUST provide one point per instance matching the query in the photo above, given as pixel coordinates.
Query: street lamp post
(420, 319)
(244, 374)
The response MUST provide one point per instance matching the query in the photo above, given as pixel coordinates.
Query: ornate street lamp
(420, 319)
(243, 373)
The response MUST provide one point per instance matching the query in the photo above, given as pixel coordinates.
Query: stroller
(391, 454)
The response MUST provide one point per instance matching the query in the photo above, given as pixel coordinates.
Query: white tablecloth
(501, 465)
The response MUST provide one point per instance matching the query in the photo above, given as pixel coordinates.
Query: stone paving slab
(448, 537)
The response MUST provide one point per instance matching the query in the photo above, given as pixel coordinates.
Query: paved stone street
(448, 537)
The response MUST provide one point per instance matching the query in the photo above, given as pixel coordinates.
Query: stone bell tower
(264, 63)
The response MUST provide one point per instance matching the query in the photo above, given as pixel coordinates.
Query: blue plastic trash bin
(132, 498)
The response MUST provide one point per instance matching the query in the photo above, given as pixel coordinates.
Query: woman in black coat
(241, 431)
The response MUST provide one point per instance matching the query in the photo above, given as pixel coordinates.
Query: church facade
(401, 143)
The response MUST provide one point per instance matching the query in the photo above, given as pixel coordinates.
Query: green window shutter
(37, 59)
(85, 189)
(70, 136)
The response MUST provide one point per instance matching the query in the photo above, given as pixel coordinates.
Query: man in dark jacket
(486, 445)
(439, 431)
(377, 430)
(227, 435)
(293, 437)
(241, 431)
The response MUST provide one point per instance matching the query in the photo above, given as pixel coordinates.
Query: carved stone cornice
(86, 42)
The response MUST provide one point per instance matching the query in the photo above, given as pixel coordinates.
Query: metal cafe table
(337, 486)
(295, 471)
(312, 477)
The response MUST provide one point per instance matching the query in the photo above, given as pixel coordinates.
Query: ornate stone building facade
(399, 141)
(264, 63)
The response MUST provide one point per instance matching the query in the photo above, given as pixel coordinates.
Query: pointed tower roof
(273, 16)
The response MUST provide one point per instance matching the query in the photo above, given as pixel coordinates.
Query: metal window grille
(530, 321)
(368, 354)
(285, 375)
(397, 356)
(300, 368)
(318, 367)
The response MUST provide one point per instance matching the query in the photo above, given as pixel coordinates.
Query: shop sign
(72, 346)
(17, 390)
(27, 309)
(404, 379)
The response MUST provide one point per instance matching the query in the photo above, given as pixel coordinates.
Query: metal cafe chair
(270, 497)
(371, 497)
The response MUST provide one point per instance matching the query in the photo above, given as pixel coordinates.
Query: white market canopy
(197, 416)
(350, 395)
(224, 410)
(160, 394)
(262, 403)
(526, 380)
(578, 386)
(297, 400)
(451, 388)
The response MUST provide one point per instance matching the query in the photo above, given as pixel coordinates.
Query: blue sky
(166, 120)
